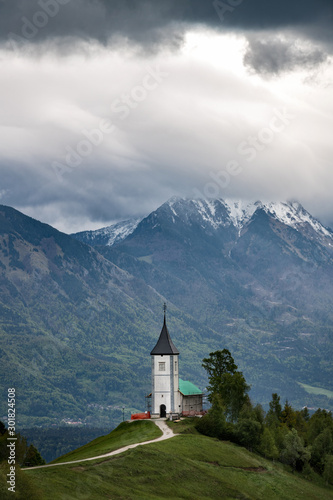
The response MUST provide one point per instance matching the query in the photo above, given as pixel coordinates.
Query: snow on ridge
(240, 212)
(120, 230)
(293, 214)
(207, 210)
(113, 233)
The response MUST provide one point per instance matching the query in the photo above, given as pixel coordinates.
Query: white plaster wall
(162, 384)
(176, 396)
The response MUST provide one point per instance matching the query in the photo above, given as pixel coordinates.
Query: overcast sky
(108, 108)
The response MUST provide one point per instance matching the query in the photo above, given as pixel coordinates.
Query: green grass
(317, 390)
(126, 433)
(184, 426)
(188, 466)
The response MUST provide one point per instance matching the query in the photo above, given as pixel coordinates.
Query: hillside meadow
(188, 466)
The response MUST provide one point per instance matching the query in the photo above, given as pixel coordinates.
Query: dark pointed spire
(164, 344)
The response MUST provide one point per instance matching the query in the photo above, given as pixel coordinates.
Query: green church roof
(187, 388)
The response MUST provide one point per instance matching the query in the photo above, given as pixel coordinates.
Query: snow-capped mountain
(220, 212)
(256, 278)
(211, 216)
(109, 235)
(200, 253)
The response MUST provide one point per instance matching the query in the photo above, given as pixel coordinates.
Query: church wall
(165, 372)
(162, 383)
(192, 403)
(177, 403)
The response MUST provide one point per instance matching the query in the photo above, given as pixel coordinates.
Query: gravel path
(167, 434)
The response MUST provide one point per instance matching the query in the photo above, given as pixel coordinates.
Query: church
(171, 396)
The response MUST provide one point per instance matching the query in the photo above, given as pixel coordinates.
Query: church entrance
(162, 411)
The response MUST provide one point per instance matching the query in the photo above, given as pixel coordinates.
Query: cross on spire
(164, 344)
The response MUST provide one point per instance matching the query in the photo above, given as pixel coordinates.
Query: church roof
(187, 388)
(164, 344)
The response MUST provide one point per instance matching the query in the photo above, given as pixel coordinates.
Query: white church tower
(165, 376)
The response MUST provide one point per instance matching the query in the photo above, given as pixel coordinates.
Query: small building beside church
(171, 396)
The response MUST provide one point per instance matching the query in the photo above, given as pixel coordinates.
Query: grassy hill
(188, 466)
(126, 433)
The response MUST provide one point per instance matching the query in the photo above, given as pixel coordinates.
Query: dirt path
(167, 434)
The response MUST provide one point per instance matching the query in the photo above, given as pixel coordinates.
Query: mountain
(109, 235)
(75, 329)
(258, 274)
(210, 213)
(77, 323)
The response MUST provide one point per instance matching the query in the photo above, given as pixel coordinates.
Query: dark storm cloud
(189, 126)
(144, 21)
(272, 56)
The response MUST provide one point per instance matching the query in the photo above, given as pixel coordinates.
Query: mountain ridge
(215, 212)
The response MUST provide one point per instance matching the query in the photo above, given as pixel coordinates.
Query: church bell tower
(165, 375)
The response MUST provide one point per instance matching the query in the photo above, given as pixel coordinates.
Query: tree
(305, 413)
(318, 422)
(250, 425)
(33, 457)
(288, 416)
(322, 446)
(227, 382)
(214, 424)
(328, 469)
(218, 363)
(248, 432)
(294, 453)
(301, 423)
(273, 417)
(267, 445)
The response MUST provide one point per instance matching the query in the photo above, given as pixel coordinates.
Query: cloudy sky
(108, 108)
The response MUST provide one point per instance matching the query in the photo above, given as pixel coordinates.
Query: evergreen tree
(33, 457)
(273, 417)
(288, 416)
(305, 413)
